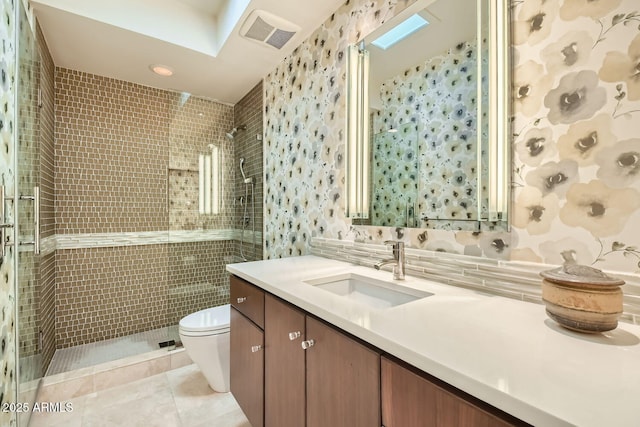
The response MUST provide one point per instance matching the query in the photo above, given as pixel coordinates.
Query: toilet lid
(210, 319)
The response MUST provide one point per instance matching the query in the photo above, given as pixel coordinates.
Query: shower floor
(85, 355)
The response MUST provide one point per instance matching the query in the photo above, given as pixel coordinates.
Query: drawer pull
(294, 335)
(308, 343)
(256, 348)
(241, 300)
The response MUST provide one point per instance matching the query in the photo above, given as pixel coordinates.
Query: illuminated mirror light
(400, 31)
(358, 133)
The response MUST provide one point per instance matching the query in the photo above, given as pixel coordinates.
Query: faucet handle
(397, 248)
(395, 243)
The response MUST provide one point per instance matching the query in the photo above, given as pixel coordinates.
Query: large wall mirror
(427, 117)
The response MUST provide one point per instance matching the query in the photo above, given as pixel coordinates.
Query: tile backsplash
(511, 279)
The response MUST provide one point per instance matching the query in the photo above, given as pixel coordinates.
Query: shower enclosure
(206, 180)
(136, 208)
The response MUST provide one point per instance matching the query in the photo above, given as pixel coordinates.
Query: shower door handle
(3, 225)
(36, 220)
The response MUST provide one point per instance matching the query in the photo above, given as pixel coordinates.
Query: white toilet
(205, 337)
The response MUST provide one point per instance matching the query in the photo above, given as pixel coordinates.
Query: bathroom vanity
(304, 352)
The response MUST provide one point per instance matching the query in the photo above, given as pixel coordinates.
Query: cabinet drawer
(248, 300)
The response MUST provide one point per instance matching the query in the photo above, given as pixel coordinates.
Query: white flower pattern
(557, 89)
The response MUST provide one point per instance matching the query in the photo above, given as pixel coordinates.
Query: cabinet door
(247, 299)
(343, 379)
(247, 367)
(284, 362)
(410, 400)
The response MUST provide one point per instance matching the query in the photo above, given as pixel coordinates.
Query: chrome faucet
(397, 261)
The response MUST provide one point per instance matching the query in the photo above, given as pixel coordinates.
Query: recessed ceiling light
(161, 70)
(400, 31)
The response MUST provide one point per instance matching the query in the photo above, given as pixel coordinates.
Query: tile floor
(85, 355)
(176, 398)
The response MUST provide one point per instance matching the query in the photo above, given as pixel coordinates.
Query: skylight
(400, 31)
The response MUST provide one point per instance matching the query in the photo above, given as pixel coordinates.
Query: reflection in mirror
(210, 181)
(394, 177)
(429, 87)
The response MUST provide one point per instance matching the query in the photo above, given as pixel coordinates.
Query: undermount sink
(366, 290)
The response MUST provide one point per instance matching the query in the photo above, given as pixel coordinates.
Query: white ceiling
(199, 39)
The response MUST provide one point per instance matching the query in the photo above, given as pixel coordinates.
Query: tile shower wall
(110, 292)
(46, 278)
(28, 69)
(197, 277)
(111, 158)
(111, 155)
(576, 186)
(195, 126)
(8, 375)
(196, 270)
(248, 145)
(133, 251)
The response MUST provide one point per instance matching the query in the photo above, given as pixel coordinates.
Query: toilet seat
(210, 321)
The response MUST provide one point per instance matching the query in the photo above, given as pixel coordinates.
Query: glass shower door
(27, 221)
(199, 204)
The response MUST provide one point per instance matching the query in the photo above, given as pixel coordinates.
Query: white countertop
(505, 352)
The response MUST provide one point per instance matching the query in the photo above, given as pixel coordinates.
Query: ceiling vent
(266, 28)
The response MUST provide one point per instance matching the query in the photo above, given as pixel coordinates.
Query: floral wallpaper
(576, 150)
(576, 156)
(304, 125)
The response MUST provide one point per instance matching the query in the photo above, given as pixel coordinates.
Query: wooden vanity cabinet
(284, 359)
(343, 379)
(336, 379)
(247, 349)
(411, 398)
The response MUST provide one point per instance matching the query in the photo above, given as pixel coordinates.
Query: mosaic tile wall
(247, 145)
(47, 307)
(164, 133)
(195, 125)
(8, 377)
(111, 161)
(197, 277)
(27, 172)
(46, 278)
(575, 151)
(110, 292)
(111, 154)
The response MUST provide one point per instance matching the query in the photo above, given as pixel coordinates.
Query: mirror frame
(357, 154)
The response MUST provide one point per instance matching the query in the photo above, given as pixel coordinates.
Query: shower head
(235, 130)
